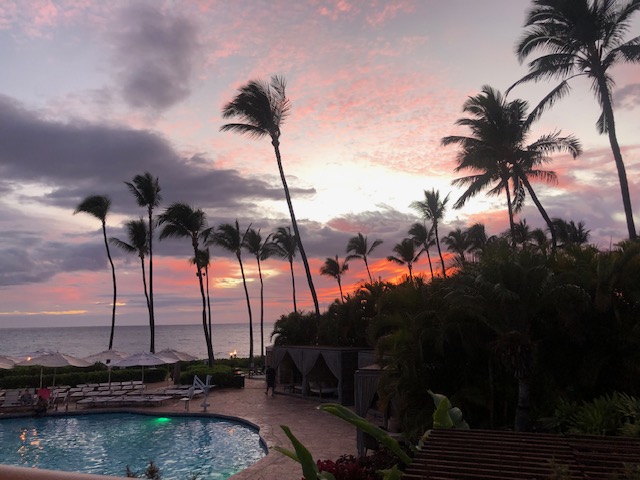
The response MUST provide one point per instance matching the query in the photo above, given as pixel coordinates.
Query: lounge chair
(11, 398)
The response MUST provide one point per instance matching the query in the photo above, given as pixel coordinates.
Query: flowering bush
(348, 467)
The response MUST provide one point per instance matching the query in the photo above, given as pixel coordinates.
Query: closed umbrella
(54, 360)
(143, 359)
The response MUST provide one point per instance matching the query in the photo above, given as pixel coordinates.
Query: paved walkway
(326, 436)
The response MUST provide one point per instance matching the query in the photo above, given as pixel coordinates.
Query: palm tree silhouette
(360, 248)
(146, 191)
(98, 206)
(497, 153)
(432, 208)
(180, 220)
(203, 259)
(262, 251)
(138, 242)
(424, 238)
(333, 268)
(457, 241)
(285, 246)
(583, 38)
(262, 107)
(229, 237)
(406, 255)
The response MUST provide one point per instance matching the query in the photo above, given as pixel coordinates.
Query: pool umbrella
(54, 360)
(176, 355)
(6, 363)
(143, 359)
(107, 357)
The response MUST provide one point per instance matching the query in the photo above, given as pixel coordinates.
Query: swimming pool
(105, 443)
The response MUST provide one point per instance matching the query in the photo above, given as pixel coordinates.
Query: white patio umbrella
(176, 355)
(54, 360)
(107, 357)
(143, 359)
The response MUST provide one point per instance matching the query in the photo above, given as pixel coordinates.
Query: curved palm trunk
(206, 274)
(435, 230)
(426, 249)
(261, 310)
(543, 212)
(246, 294)
(146, 295)
(510, 211)
(617, 156)
(152, 321)
(340, 288)
(276, 147)
(366, 264)
(113, 276)
(207, 336)
(293, 285)
(410, 267)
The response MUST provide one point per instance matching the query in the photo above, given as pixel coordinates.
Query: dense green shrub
(221, 375)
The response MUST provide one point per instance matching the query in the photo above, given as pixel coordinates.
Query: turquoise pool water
(105, 443)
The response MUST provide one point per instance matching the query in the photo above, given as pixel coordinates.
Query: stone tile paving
(326, 436)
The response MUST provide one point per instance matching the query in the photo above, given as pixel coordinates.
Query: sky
(93, 93)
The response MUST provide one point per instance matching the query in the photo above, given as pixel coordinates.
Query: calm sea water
(85, 341)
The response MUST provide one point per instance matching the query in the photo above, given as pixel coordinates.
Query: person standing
(271, 380)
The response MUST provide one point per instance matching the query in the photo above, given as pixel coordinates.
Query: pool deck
(326, 436)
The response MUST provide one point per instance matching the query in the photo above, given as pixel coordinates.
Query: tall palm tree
(146, 191)
(360, 248)
(285, 246)
(406, 255)
(98, 206)
(229, 237)
(333, 268)
(261, 108)
(203, 258)
(583, 38)
(457, 241)
(180, 220)
(138, 242)
(423, 237)
(261, 250)
(498, 155)
(432, 209)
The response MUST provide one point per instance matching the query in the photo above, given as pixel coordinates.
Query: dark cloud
(155, 56)
(628, 97)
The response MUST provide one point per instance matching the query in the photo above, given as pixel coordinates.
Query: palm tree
(203, 259)
(183, 221)
(98, 206)
(583, 38)
(478, 239)
(497, 153)
(333, 268)
(457, 241)
(423, 237)
(261, 250)
(432, 208)
(360, 248)
(285, 246)
(570, 233)
(262, 107)
(138, 242)
(229, 237)
(406, 255)
(146, 191)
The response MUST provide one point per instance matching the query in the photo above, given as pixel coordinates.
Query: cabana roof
(496, 455)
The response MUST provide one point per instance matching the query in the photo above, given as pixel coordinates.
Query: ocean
(84, 341)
